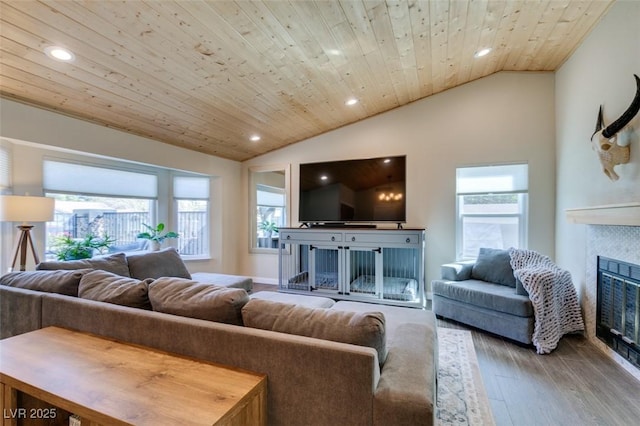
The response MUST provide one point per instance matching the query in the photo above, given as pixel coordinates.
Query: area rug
(462, 399)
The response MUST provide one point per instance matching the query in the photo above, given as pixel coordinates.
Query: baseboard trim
(263, 280)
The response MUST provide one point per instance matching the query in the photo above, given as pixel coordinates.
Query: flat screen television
(367, 190)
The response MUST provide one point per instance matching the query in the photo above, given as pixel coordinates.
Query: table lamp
(24, 209)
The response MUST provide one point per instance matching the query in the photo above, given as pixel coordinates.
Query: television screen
(363, 190)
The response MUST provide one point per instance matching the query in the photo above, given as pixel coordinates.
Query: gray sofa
(485, 294)
(311, 380)
(143, 264)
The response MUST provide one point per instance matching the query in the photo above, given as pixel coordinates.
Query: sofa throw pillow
(104, 286)
(187, 298)
(116, 263)
(61, 282)
(494, 266)
(156, 264)
(357, 328)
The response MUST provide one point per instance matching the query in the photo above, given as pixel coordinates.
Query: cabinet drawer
(382, 239)
(310, 236)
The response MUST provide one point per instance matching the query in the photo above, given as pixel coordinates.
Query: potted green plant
(68, 248)
(156, 235)
(268, 228)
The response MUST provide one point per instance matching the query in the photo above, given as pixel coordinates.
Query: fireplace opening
(618, 308)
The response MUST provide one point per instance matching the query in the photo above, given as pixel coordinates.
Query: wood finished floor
(574, 385)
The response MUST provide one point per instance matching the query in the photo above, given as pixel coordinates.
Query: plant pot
(154, 245)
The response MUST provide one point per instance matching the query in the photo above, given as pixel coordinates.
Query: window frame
(207, 214)
(522, 215)
(164, 207)
(6, 184)
(153, 211)
(254, 179)
(282, 207)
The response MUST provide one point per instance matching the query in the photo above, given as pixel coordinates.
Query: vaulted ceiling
(209, 75)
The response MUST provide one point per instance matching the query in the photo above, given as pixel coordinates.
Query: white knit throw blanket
(555, 302)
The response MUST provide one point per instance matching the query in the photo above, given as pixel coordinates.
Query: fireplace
(618, 308)
(613, 232)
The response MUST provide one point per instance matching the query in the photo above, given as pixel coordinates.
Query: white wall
(504, 118)
(600, 72)
(49, 133)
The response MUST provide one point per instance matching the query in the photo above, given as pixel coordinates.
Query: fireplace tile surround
(616, 242)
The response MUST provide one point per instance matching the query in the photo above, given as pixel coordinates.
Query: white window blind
(269, 196)
(512, 178)
(5, 168)
(83, 179)
(193, 188)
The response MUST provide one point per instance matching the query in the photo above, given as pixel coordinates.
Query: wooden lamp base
(24, 241)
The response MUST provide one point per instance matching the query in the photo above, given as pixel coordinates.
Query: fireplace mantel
(614, 214)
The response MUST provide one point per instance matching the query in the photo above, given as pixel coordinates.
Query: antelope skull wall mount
(606, 144)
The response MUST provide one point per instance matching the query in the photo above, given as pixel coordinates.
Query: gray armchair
(485, 294)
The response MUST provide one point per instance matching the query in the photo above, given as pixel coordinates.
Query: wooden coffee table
(113, 383)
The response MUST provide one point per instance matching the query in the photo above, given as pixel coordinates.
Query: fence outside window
(124, 227)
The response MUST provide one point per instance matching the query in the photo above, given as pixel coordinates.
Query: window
(191, 201)
(491, 208)
(268, 210)
(270, 214)
(5, 169)
(115, 202)
(119, 219)
(5, 185)
(99, 201)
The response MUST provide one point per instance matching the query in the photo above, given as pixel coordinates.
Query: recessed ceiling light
(387, 160)
(59, 53)
(334, 52)
(482, 52)
(255, 138)
(351, 101)
(323, 177)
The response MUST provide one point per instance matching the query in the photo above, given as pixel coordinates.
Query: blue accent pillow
(494, 266)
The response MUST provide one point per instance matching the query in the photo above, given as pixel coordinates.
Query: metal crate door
(364, 272)
(325, 268)
(294, 267)
(401, 274)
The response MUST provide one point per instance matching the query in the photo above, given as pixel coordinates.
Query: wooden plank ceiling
(207, 75)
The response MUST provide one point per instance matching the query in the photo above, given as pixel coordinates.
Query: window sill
(263, 250)
(203, 258)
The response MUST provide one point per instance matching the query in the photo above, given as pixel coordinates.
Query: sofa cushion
(20, 311)
(104, 286)
(61, 281)
(457, 271)
(295, 299)
(487, 295)
(192, 299)
(407, 396)
(494, 266)
(520, 288)
(513, 327)
(357, 328)
(116, 263)
(156, 264)
(224, 280)
(394, 316)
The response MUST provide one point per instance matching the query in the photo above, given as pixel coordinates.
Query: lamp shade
(24, 208)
